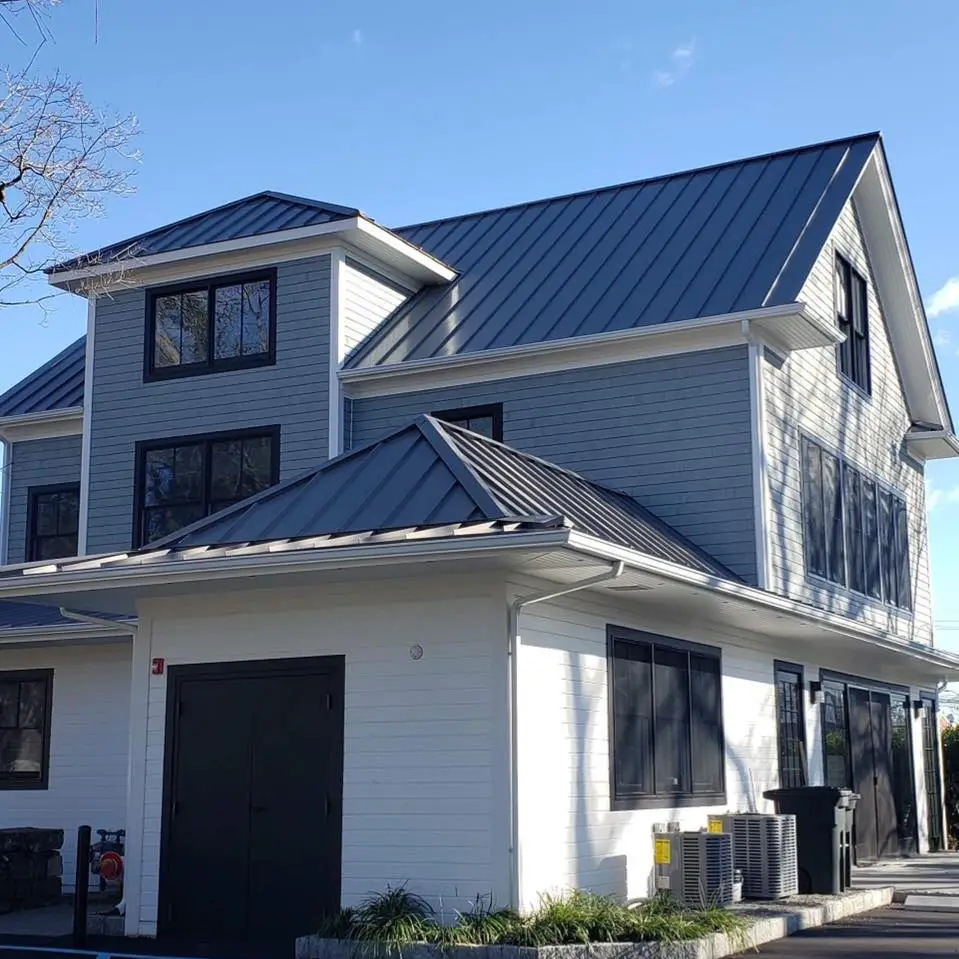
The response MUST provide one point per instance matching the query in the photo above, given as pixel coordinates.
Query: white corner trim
(369, 236)
(5, 503)
(337, 351)
(789, 327)
(757, 410)
(87, 420)
(41, 426)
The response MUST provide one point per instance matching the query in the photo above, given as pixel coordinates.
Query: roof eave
(43, 424)
(358, 230)
(933, 444)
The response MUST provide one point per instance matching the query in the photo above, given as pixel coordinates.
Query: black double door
(252, 831)
(870, 734)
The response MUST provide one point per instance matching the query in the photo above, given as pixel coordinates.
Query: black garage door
(252, 799)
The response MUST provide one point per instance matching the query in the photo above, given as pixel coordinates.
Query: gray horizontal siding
(368, 299)
(673, 431)
(293, 393)
(37, 463)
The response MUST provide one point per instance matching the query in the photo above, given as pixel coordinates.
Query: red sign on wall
(156, 667)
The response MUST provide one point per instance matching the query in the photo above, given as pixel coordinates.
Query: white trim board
(87, 423)
(783, 328)
(43, 425)
(337, 352)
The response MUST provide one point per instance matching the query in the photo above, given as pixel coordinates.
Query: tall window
(852, 315)
(25, 728)
(836, 734)
(181, 481)
(214, 325)
(855, 533)
(53, 521)
(485, 420)
(791, 724)
(666, 721)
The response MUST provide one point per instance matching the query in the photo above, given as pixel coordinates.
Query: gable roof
(57, 385)
(265, 212)
(432, 474)
(708, 242)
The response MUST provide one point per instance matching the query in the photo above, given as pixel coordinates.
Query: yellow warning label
(662, 852)
(715, 824)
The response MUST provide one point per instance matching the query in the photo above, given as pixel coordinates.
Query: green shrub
(950, 761)
(397, 917)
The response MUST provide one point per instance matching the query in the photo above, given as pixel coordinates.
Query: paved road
(893, 931)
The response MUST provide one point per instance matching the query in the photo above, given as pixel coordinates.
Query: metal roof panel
(56, 385)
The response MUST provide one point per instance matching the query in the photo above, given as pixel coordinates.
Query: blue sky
(417, 110)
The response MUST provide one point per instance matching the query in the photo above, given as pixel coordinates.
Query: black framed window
(854, 532)
(486, 420)
(791, 723)
(222, 324)
(852, 315)
(666, 725)
(25, 705)
(181, 480)
(53, 521)
(835, 722)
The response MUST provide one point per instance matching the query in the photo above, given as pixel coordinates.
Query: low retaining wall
(768, 921)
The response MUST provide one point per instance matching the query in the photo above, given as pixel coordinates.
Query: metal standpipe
(82, 887)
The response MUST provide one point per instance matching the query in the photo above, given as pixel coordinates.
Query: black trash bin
(823, 844)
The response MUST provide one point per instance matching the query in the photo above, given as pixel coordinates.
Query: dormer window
(205, 327)
(852, 315)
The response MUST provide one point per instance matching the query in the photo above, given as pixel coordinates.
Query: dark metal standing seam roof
(432, 474)
(265, 212)
(34, 616)
(56, 385)
(722, 239)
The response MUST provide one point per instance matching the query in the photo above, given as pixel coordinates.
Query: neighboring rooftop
(717, 240)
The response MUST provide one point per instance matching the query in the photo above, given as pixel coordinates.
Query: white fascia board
(41, 579)
(57, 635)
(84, 512)
(933, 445)
(773, 602)
(376, 240)
(43, 425)
(786, 328)
(898, 288)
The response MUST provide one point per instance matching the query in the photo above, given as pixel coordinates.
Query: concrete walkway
(933, 873)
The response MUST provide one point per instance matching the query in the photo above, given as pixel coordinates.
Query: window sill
(856, 597)
(180, 372)
(855, 387)
(12, 785)
(682, 800)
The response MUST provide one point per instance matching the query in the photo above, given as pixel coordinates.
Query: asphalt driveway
(893, 931)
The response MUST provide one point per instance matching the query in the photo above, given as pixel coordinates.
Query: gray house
(461, 553)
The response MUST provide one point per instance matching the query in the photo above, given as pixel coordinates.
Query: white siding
(425, 741)
(368, 300)
(569, 835)
(807, 395)
(88, 744)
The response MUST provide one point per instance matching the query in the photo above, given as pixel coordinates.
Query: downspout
(92, 620)
(512, 652)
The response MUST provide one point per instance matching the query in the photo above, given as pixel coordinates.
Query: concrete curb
(772, 921)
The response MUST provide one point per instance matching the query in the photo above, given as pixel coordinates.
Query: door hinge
(176, 807)
(329, 700)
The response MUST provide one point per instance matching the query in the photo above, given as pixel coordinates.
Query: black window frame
(622, 800)
(894, 585)
(463, 414)
(11, 781)
(853, 357)
(153, 373)
(798, 673)
(194, 439)
(33, 495)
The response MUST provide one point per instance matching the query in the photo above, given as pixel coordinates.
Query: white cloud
(681, 62)
(932, 499)
(357, 37)
(941, 338)
(941, 497)
(945, 299)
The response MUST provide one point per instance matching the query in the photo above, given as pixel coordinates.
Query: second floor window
(53, 522)
(181, 481)
(856, 533)
(221, 324)
(485, 420)
(852, 315)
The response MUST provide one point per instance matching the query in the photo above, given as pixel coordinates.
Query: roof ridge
(642, 181)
